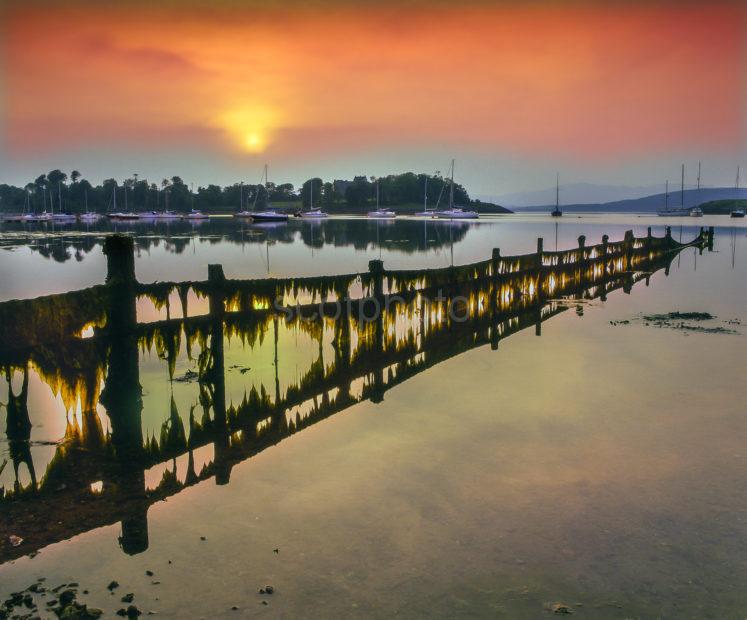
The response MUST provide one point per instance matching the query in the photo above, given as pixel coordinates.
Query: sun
(250, 127)
(253, 142)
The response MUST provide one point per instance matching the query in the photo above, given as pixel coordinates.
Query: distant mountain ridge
(645, 204)
(574, 193)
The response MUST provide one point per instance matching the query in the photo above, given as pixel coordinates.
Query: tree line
(62, 193)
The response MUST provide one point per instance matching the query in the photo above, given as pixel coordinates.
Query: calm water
(600, 465)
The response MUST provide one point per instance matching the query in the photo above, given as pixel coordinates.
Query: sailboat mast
(682, 190)
(425, 194)
(736, 187)
(311, 198)
(451, 187)
(666, 195)
(59, 195)
(557, 191)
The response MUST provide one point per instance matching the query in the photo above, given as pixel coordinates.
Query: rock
(149, 573)
(276, 550)
(67, 597)
(122, 612)
(265, 603)
(74, 584)
(269, 589)
(113, 585)
(28, 600)
(234, 607)
(128, 598)
(203, 538)
(15, 541)
(76, 611)
(133, 612)
(560, 608)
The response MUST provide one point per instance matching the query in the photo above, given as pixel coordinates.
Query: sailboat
(60, 216)
(696, 211)
(121, 215)
(737, 212)
(267, 215)
(88, 216)
(556, 212)
(381, 212)
(242, 212)
(425, 212)
(668, 211)
(28, 216)
(195, 214)
(455, 213)
(313, 213)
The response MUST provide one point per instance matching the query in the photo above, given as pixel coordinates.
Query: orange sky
(586, 81)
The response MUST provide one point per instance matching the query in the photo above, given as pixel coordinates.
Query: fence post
(581, 255)
(376, 268)
(628, 242)
(120, 279)
(540, 270)
(605, 244)
(496, 259)
(217, 293)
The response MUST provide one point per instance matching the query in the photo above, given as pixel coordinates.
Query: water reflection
(110, 467)
(65, 243)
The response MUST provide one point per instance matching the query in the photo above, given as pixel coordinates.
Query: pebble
(128, 598)
(149, 573)
(113, 585)
(269, 589)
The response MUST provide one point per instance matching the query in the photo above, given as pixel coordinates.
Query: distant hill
(573, 193)
(723, 207)
(647, 204)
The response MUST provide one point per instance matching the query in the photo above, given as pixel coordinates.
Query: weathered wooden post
(495, 267)
(122, 393)
(217, 293)
(376, 268)
(668, 236)
(628, 242)
(710, 238)
(215, 375)
(540, 284)
(605, 245)
(122, 284)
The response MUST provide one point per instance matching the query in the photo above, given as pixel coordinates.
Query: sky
(602, 92)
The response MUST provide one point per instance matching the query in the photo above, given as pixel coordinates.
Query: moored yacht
(194, 214)
(457, 213)
(738, 212)
(454, 213)
(381, 212)
(680, 211)
(314, 214)
(269, 214)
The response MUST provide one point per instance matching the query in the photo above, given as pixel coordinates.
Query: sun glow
(249, 127)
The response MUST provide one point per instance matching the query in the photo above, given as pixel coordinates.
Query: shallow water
(600, 465)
